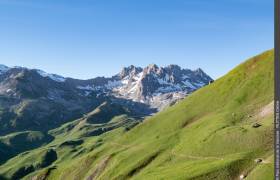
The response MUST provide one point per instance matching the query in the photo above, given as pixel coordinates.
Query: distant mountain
(31, 99)
(155, 86)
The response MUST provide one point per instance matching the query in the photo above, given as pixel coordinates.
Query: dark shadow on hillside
(21, 144)
(137, 108)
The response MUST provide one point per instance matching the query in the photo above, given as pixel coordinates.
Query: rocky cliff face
(153, 85)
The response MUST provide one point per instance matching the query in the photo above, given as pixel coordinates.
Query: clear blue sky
(88, 38)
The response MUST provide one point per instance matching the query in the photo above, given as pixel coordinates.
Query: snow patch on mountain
(187, 83)
(199, 84)
(88, 88)
(168, 89)
(54, 77)
(113, 84)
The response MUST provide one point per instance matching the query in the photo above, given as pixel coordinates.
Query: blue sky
(88, 38)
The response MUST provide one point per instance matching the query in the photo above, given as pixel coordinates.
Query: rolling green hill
(16, 143)
(221, 131)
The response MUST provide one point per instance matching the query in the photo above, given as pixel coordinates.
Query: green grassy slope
(15, 143)
(71, 139)
(208, 135)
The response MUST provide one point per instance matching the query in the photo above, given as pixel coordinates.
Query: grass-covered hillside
(222, 131)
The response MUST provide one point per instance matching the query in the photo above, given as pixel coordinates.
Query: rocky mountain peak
(129, 71)
(152, 84)
(152, 66)
(199, 71)
(173, 67)
(152, 69)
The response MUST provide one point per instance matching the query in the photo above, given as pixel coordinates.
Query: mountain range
(111, 128)
(57, 100)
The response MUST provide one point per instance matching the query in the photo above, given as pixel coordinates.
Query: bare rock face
(129, 71)
(155, 86)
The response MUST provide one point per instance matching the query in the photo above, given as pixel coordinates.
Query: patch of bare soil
(100, 168)
(266, 110)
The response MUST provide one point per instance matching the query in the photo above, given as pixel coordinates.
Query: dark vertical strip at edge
(277, 89)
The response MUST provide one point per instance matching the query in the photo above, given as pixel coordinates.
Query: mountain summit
(152, 85)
